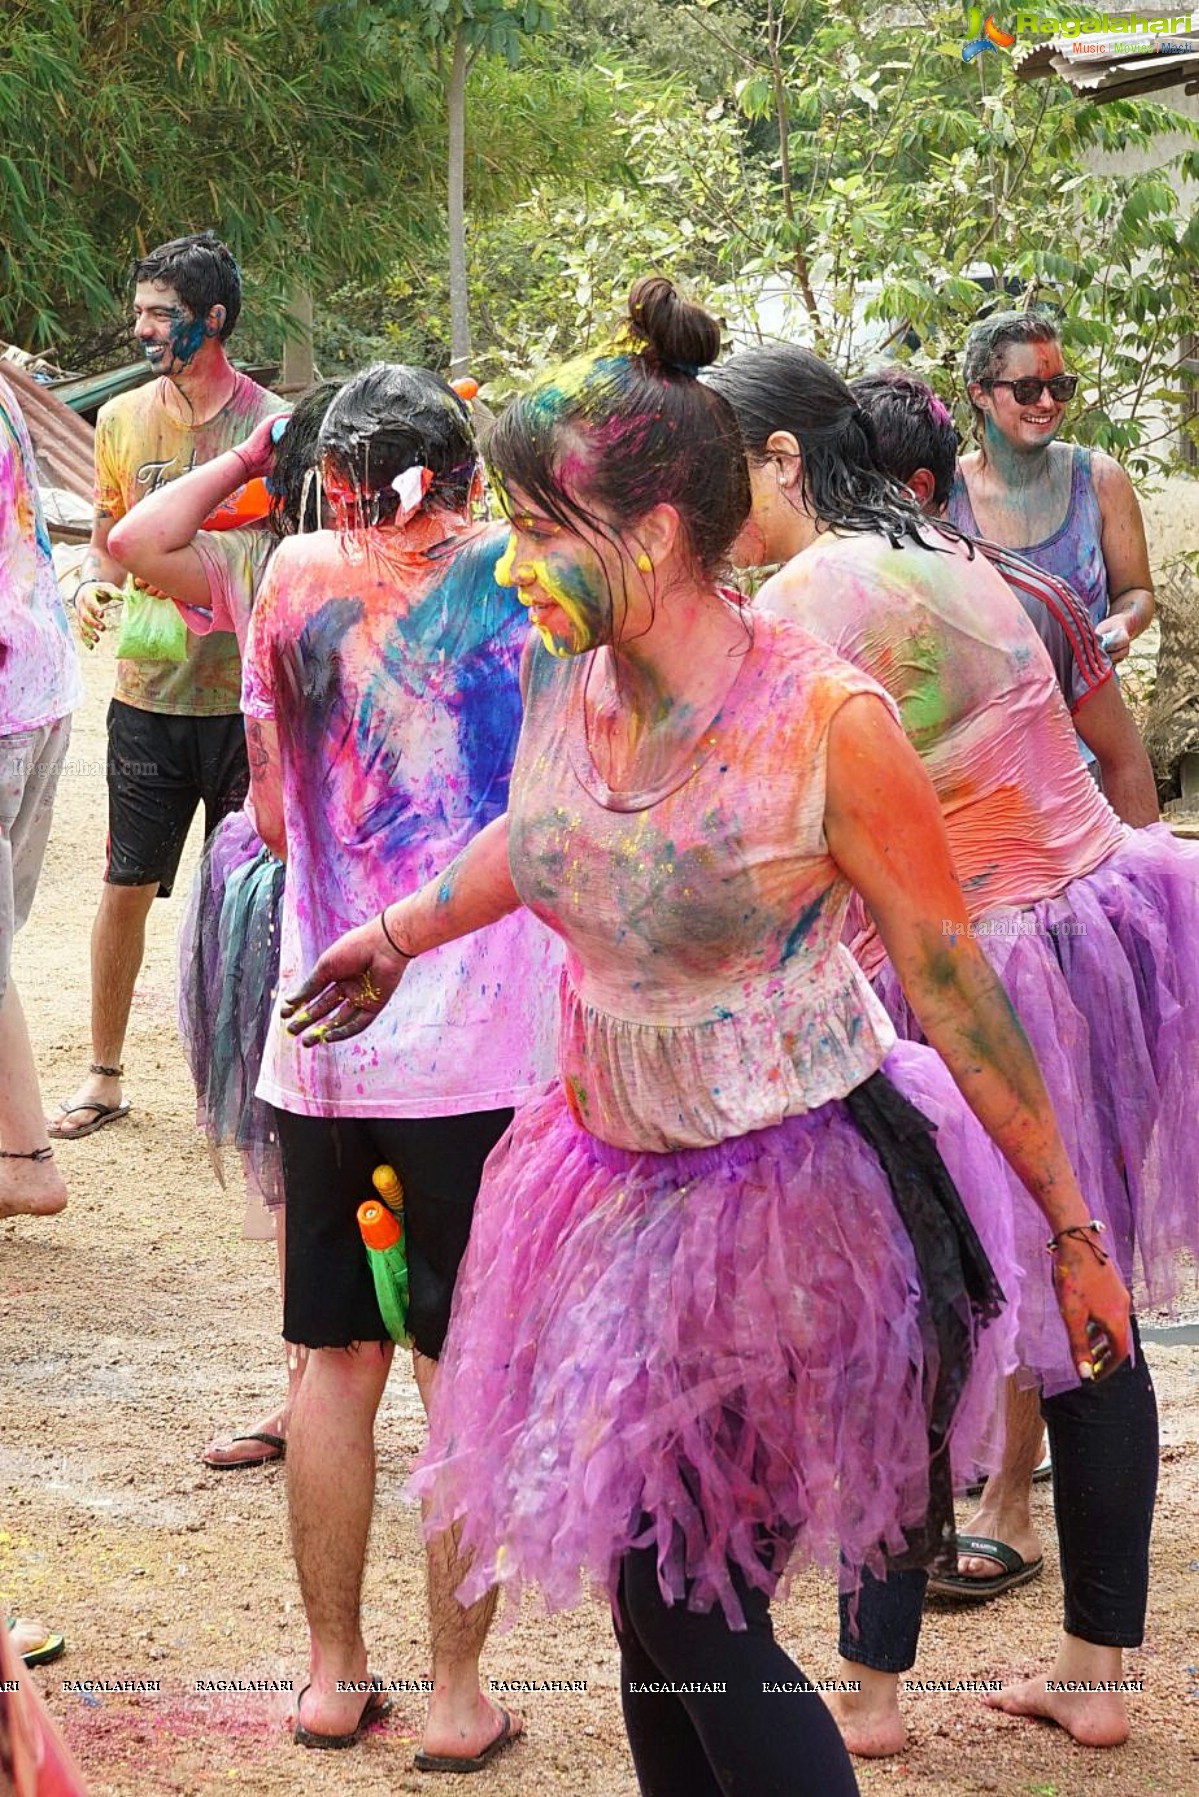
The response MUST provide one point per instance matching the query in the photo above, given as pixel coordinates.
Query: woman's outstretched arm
(354, 978)
(885, 831)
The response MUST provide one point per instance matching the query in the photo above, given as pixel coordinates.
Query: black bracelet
(391, 941)
(1083, 1232)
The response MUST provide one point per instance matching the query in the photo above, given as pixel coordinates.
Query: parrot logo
(985, 34)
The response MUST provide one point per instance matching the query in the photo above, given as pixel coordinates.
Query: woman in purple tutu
(722, 1300)
(1093, 930)
(229, 943)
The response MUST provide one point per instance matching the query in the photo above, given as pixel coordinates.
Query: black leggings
(740, 1740)
(1103, 1439)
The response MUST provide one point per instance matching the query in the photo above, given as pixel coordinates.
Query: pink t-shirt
(979, 700)
(389, 662)
(40, 680)
(708, 992)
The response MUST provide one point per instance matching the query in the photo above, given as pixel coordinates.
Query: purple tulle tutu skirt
(706, 1350)
(1105, 980)
(228, 978)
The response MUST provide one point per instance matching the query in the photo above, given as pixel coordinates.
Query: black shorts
(329, 1297)
(159, 769)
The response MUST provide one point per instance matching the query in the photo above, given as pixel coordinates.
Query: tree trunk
(459, 292)
(298, 373)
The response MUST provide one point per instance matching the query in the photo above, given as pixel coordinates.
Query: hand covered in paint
(257, 453)
(1095, 1306)
(91, 598)
(1113, 634)
(347, 988)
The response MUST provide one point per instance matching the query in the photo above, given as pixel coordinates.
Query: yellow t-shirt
(140, 445)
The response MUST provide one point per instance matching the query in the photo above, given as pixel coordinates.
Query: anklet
(107, 1072)
(1083, 1232)
(35, 1154)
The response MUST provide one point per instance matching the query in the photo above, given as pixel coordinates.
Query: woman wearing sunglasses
(1070, 510)
(1074, 513)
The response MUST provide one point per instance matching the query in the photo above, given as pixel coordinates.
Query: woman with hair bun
(1093, 930)
(722, 1299)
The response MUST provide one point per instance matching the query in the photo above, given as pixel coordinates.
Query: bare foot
(1009, 1522)
(31, 1189)
(27, 1634)
(97, 1089)
(870, 1723)
(247, 1445)
(465, 1735)
(1092, 1718)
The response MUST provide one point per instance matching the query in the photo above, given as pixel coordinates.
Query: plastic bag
(151, 628)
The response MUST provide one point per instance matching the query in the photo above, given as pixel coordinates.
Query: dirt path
(139, 1323)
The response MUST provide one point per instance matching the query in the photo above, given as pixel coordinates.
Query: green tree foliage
(856, 186)
(312, 137)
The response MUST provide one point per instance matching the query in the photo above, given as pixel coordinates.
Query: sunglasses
(1028, 389)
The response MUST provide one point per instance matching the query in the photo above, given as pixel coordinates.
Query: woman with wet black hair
(722, 1299)
(382, 699)
(1093, 930)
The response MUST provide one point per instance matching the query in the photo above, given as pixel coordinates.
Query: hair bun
(677, 333)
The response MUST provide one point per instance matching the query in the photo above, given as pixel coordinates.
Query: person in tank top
(1069, 509)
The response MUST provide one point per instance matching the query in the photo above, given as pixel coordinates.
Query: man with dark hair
(203, 273)
(918, 445)
(175, 734)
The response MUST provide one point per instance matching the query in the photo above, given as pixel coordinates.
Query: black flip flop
(104, 1113)
(449, 1762)
(376, 1707)
(956, 1587)
(276, 1442)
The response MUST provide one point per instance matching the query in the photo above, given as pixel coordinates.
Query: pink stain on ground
(158, 1733)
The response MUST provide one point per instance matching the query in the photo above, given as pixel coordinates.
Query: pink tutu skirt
(1105, 980)
(708, 1350)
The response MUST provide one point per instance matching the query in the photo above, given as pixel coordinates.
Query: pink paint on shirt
(977, 694)
(40, 680)
(708, 993)
(389, 661)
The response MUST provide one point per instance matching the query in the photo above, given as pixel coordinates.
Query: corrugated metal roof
(62, 442)
(88, 392)
(1138, 62)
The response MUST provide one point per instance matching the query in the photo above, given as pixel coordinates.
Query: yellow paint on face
(536, 580)
(505, 568)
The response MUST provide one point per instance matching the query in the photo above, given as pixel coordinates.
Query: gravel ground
(138, 1323)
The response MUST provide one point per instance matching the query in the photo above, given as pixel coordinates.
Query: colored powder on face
(186, 338)
(566, 583)
(561, 579)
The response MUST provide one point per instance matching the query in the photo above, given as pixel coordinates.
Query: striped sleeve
(1061, 620)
